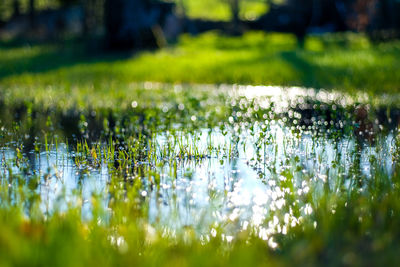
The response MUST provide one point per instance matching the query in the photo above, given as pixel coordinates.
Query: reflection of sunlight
(61, 184)
(261, 177)
(214, 193)
(283, 97)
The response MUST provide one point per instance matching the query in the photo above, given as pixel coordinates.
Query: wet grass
(99, 168)
(326, 172)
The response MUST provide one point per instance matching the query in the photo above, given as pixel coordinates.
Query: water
(244, 174)
(236, 192)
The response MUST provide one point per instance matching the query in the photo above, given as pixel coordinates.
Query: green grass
(58, 93)
(219, 9)
(354, 219)
(346, 62)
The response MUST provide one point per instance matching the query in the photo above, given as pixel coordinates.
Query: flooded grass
(97, 168)
(199, 175)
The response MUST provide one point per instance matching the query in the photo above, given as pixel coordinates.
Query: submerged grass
(339, 210)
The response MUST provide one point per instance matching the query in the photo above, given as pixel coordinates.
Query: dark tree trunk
(32, 13)
(113, 21)
(1, 13)
(235, 11)
(389, 18)
(132, 23)
(16, 8)
(396, 10)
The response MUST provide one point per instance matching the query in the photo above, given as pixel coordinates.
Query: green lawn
(219, 9)
(346, 62)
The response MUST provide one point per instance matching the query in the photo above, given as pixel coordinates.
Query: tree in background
(126, 23)
(139, 22)
(234, 7)
(387, 12)
(2, 11)
(93, 15)
(32, 13)
(66, 3)
(135, 23)
(16, 8)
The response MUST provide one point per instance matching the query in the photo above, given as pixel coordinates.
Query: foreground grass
(353, 218)
(354, 225)
(343, 62)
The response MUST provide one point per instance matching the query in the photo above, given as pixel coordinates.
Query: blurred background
(133, 24)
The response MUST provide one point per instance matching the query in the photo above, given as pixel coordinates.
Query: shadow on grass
(312, 75)
(257, 62)
(299, 67)
(19, 57)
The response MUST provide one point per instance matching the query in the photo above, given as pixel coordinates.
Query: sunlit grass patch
(220, 10)
(341, 62)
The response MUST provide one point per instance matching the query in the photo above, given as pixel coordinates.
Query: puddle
(233, 191)
(262, 169)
